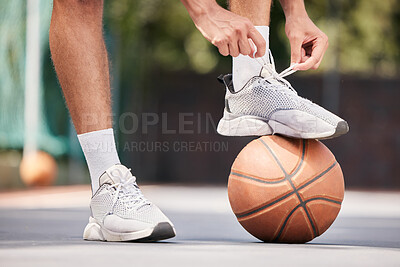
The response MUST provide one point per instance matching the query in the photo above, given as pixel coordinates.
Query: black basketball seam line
(323, 198)
(280, 166)
(303, 152)
(286, 177)
(318, 176)
(285, 196)
(256, 179)
(285, 222)
(274, 156)
(265, 206)
(314, 229)
(313, 226)
(278, 181)
(279, 163)
(303, 205)
(295, 208)
(291, 193)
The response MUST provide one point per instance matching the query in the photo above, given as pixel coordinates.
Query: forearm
(197, 8)
(293, 8)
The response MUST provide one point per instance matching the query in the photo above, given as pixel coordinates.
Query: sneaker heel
(93, 231)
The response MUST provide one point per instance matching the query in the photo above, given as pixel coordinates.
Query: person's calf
(80, 60)
(80, 8)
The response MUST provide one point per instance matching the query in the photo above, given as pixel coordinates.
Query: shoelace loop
(126, 190)
(270, 67)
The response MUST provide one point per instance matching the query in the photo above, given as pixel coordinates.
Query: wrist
(294, 9)
(198, 8)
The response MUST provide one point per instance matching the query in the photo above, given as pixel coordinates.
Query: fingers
(296, 51)
(311, 62)
(247, 46)
(259, 42)
(233, 49)
(319, 62)
(318, 50)
(243, 39)
(223, 49)
(244, 46)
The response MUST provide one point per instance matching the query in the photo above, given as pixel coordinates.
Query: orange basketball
(38, 169)
(285, 190)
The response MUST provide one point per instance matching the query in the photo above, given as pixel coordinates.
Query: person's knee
(87, 7)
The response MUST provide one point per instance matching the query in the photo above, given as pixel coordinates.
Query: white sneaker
(120, 212)
(268, 104)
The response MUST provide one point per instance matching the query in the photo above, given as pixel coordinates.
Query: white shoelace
(127, 190)
(270, 67)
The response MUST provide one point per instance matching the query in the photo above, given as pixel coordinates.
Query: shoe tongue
(113, 174)
(265, 72)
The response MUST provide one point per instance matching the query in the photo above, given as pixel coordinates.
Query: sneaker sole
(246, 125)
(94, 231)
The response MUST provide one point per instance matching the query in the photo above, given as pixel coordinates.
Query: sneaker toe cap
(341, 128)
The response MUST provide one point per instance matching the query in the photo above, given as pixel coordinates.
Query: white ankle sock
(245, 67)
(100, 153)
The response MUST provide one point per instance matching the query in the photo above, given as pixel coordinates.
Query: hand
(231, 33)
(307, 42)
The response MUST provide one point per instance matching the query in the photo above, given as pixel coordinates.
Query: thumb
(295, 51)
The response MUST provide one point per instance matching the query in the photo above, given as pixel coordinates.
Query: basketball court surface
(43, 227)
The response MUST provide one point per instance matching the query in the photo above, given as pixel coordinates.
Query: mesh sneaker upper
(262, 98)
(125, 201)
(102, 203)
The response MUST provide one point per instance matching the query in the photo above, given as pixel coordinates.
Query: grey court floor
(43, 227)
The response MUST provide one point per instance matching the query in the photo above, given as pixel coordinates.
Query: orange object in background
(285, 190)
(38, 169)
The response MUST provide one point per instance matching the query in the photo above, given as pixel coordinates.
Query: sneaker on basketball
(120, 212)
(268, 104)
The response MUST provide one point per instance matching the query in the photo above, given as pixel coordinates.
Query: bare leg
(80, 59)
(258, 11)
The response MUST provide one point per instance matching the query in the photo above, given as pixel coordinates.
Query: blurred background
(167, 101)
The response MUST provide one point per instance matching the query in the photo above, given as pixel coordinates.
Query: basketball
(285, 190)
(38, 169)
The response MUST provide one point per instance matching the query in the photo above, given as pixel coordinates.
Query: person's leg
(258, 11)
(80, 59)
(261, 102)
